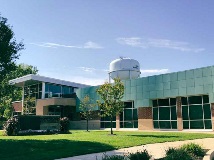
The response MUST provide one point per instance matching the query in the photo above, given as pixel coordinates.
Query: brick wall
(145, 121)
(17, 106)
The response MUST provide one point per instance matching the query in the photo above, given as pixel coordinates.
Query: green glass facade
(164, 89)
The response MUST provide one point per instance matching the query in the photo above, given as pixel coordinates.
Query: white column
(23, 93)
(43, 90)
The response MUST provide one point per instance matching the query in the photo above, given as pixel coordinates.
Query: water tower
(124, 68)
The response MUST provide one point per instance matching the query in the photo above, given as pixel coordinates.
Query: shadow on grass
(48, 149)
(155, 136)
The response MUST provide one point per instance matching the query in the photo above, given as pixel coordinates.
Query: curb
(209, 155)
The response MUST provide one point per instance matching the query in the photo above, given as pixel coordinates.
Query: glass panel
(71, 89)
(40, 87)
(155, 103)
(173, 113)
(135, 124)
(185, 112)
(164, 113)
(54, 88)
(114, 118)
(185, 124)
(207, 111)
(127, 114)
(205, 99)
(195, 112)
(165, 124)
(163, 102)
(197, 124)
(128, 124)
(107, 125)
(195, 100)
(121, 125)
(121, 116)
(65, 90)
(156, 124)
(208, 124)
(46, 87)
(155, 113)
(172, 101)
(174, 124)
(184, 100)
(102, 125)
(128, 105)
(135, 114)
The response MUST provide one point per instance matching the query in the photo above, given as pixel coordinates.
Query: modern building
(173, 101)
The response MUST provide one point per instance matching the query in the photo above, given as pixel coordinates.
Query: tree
(87, 109)
(10, 93)
(111, 95)
(9, 49)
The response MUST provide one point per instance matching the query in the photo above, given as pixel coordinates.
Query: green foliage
(64, 125)
(87, 109)
(177, 154)
(193, 149)
(29, 105)
(11, 127)
(9, 49)
(11, 93)
(111, 95)
(114, 157)
(140, 155)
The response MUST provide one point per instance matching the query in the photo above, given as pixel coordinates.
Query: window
(196, 112)
(129, 117)
(164, 113)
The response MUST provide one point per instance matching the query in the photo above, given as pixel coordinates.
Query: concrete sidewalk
(157, 150)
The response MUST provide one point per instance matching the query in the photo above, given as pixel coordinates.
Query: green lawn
(81, 142)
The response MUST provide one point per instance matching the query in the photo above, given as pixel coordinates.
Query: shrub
(114, 157)
(142, 155)
(11, 127)
(64, 125)
(193, 149)
(177, 154)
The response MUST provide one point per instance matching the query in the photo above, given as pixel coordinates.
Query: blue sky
(76, 40)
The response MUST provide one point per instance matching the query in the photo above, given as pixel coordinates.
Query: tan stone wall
(179, 114)
(17, 106)
(92, 125)
(212, 111)
(117, 122)
(40, 103)
(145, 121)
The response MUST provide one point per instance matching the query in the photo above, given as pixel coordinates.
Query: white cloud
(158, 43)
(91, 70)
(92, 45)
(87, 69)
(87, 45)
(150, 72)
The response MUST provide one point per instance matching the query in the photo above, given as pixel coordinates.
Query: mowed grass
(81, 142)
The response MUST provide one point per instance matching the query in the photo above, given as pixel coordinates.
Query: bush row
(189, 151)
(11, 128)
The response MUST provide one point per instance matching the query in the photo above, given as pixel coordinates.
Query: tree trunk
(87, 124)
(111, 126)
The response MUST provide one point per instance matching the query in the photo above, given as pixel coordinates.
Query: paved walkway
(157, 150)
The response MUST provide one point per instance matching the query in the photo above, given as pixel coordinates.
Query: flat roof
(31, 79)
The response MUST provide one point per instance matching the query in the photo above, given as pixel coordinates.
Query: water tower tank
(124, 68)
